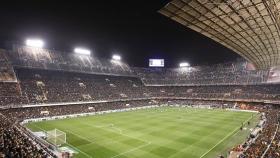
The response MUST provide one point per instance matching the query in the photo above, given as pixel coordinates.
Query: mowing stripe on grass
(84, 138)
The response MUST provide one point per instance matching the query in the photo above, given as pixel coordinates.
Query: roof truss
(248, 27)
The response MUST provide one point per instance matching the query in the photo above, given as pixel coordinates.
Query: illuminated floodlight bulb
(82, 51)
(116, 57)
(35, 43)
(184, 64)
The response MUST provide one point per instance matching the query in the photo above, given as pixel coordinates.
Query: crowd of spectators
(10, 94)
(274, 150)
(14, 143)
(46, 86)
(254, 92)
(6, 69)
(56, 86)
(221, 74)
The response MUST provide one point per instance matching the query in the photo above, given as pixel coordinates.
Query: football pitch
(166, 132)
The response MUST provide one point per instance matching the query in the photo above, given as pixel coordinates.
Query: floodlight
(116, 57)
(184, 64)
(82, 51)
(34, 43)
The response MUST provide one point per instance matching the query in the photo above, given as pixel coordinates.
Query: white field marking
(67, 143)
(131, 150)
(79, 136)
(79, 150)
(230, 134)
(116, 132)
(118, 129)
(111, 125)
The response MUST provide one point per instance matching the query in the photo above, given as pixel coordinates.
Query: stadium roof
(250, 28)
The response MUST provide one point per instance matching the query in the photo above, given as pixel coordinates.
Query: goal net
(56, 137)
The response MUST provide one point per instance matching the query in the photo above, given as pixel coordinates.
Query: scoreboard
(156, 62)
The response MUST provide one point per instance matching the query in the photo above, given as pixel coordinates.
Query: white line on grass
(115, 132)
(111, 125)
(131, 150)
(79, 136)
(118, 129)
(230, 134)
(79, 150)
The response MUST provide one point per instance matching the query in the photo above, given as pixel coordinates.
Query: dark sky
(133, 29)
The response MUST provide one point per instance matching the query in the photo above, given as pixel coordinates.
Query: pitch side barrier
(148, 98)
(240, 110)
(210, 84)
(82, 102)
(139, 99)
(17, 66)
(12, 81)
(87, 114)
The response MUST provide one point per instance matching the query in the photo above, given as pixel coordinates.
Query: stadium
(58, 104)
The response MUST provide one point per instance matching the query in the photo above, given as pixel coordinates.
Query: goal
(56, 137)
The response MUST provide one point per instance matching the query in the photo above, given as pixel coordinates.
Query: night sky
(133, 29)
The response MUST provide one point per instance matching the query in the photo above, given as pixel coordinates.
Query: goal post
(56, 137)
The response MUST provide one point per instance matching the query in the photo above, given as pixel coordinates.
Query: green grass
(153, 133)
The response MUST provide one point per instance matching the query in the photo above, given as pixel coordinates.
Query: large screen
(156, 62)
